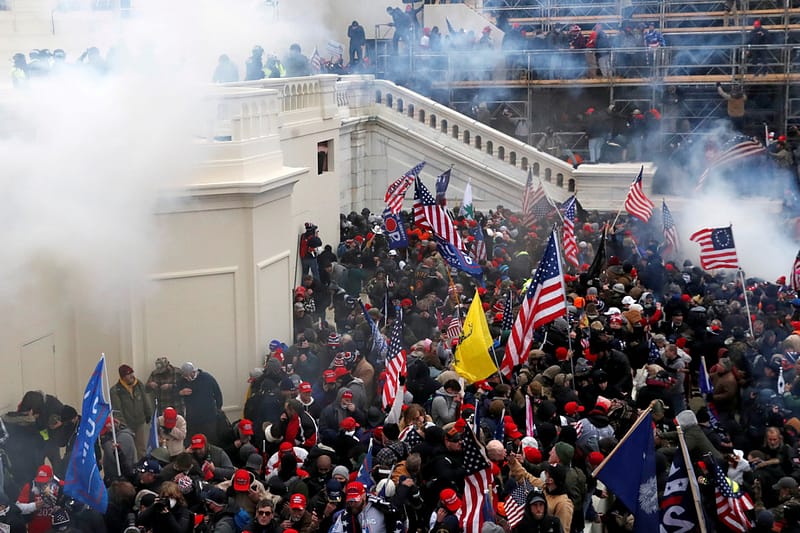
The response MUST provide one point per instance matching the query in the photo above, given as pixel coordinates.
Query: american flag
(543, 303)
(794, 278)
(515, 503)
(670, 231)
(717, 249)
(570, 244)
(428, 215)
(477, 481)
(397, 190)
(395, 364)
(731, 505)
(703, 381)
(454, 327)
(479, 248)
(530, 198)
(508, 315)
(636, 203)
(442, 181)
(738, 148)
(411, 436)
(316, 60)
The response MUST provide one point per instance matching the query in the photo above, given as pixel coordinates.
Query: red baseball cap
(245, 427)
(305, 386)
(354, 491)
(348, 424)
(340, 371)
(170, 417)
(329, 376)
(347, 395)
(533, 455)
(595, 458)
(450, 500)
(286, 447)
(44, 474)
(297, 501)
(573, 408)
(198, 441)
(241, 480)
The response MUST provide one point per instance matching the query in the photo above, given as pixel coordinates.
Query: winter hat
(125, 370)
(341, 471)
(686, 419)
(565, 452)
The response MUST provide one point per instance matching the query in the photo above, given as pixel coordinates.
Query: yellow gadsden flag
(472, 360)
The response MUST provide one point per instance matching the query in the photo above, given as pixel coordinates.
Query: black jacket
(205, 401)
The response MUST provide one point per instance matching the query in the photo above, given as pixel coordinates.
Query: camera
(131, 527)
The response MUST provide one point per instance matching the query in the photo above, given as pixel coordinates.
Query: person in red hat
(172, 431)
(447, 520)
(133, 406)
(214, 462)
(295, 426)
(295, 515)
(38, 499)
(307, 400)
(361, 513)
(245, 490)
(333, 415)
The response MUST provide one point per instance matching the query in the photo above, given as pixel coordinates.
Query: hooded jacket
(591, 429)
(333, 414)
(529, 524)
(444, 407)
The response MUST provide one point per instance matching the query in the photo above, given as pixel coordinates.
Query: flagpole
(566, 303)
(111, 412)
(692, 481)
(622, 441)
(744, 289)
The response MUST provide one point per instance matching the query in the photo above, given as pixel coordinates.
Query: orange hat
(241, 480)
(245, 427)
(198, 441)
(297, 501)
(450, 500)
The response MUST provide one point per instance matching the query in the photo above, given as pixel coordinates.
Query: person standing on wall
(358, 38)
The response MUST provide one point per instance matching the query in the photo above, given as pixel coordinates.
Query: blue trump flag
(365, 472)
(395, 230)
(84, 482)
(630, 473)
(152, 437)
(456, 259)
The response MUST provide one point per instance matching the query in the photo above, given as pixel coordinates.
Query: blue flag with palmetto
(630, 473)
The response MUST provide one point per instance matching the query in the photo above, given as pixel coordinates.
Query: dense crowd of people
(633, 338)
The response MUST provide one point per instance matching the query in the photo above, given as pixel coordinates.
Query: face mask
(172, 502)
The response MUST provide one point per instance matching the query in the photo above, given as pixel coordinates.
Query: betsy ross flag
(717, 249)
(636, 203)
(395, 364)
(732, 503)
(736, 149)
(677, 506)
(397, 189)
(515, 503)
(429, 215)
(570, 243)
(442, 181)
(543, 303)
(477, 480)
(671, 241)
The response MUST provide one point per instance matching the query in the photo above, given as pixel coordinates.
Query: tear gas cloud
(84, 156)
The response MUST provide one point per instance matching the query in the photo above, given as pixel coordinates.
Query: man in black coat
(202, 399)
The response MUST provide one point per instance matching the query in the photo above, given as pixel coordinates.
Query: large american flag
(717, 249)
(395, 364)
(570, 244)
(477, 481)
(397, 189)
(731, 505)
(671, 240)
(531, 198)
(736, 149)
(515, 503)
(429, 215)
(636, 203)
(794, 278)
(543, 303)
